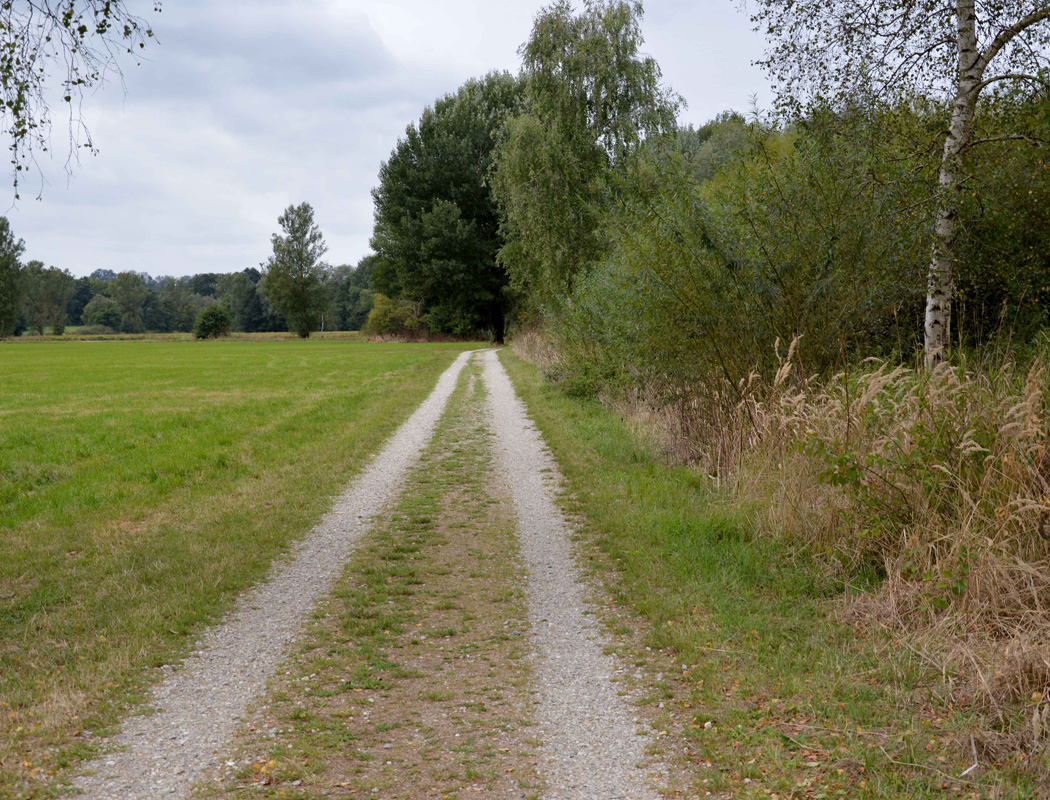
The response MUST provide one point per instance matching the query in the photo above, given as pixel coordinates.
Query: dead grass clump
(534, 346)
(940, 481)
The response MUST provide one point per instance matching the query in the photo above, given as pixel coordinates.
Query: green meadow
(143, 484)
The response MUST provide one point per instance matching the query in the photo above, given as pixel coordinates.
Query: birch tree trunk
(945, 229)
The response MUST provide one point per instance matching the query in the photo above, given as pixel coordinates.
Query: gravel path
(591, 742)
(200, 703)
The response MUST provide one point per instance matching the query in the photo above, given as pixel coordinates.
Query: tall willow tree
(591, 100)
(830, 50)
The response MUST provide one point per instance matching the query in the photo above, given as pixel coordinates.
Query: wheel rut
(592, 748)
(432, 638)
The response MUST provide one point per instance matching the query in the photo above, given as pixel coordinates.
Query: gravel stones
(592, 747)
(198, 705)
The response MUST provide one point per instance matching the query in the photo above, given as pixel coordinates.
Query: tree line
(39, 299)
(893, 201)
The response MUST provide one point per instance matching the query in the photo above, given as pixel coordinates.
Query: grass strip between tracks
(412, 680)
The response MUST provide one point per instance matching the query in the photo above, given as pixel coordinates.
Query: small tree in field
(294, 276)
(212, 322)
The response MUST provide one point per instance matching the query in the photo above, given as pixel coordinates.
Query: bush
(102, 310)
(213, 322)
(95, 330)
(108, 316)
(394, 318)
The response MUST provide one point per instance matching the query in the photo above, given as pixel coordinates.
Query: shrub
(95, 330)
(102, 310)
(213, 322)
(394, 318)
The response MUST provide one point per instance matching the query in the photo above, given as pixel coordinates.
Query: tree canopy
(592, 98)
(436, 225)
(47, 293)
(834, 50)
(351, 294)
(130, 292)
(823, 50)
(76, 40)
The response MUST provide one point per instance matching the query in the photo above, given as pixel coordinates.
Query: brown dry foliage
(939, 481)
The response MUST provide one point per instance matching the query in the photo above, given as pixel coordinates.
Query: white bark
(972, 64)
(939, 277)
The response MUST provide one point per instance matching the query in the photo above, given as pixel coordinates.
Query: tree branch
(1014, 76)
(1020, 137)
(1007, 34)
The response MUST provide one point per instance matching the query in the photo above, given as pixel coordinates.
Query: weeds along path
(199, 704)
(591, 747)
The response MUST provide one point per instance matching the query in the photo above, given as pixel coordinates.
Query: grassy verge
(762, 690)
(412, 679)
(142, 486)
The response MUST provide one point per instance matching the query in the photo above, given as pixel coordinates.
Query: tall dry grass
(940, 482)
(933, 487)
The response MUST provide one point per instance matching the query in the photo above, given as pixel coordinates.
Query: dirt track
(589, 746)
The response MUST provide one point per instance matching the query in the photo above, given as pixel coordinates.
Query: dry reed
(942, 481)
(937, 481)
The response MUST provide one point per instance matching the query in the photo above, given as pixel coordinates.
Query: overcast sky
(246, 106)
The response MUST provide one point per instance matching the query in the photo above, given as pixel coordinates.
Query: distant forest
(136, 302)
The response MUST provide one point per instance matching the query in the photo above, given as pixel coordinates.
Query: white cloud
(246, 106)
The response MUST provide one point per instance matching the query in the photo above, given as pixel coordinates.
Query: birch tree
(825, 51)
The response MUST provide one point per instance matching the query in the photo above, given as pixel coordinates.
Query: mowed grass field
(143, 485)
